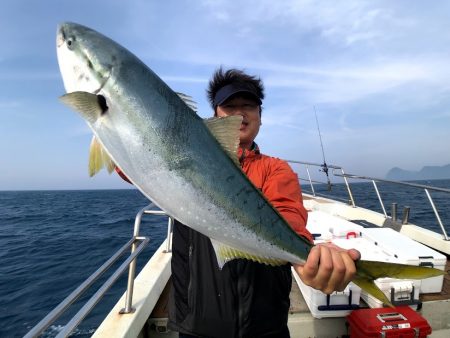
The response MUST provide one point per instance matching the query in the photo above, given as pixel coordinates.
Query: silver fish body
(166, 150)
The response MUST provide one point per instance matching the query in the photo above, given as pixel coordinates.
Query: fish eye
(70, 42)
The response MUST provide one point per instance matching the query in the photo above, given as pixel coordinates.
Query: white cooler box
(400, 292)
(317, 226)
(368, 249)
(408, 251)
(337, 304)
(326, 227)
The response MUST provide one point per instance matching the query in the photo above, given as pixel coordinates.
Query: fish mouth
(60, 36)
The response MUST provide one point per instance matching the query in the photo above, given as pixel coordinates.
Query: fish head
(88, 61)
(86, 58)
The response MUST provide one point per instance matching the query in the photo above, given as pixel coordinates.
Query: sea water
(51, 241)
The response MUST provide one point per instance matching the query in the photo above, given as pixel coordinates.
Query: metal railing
(137, 243)
(325, 169)
(374, 181)
(132, 270)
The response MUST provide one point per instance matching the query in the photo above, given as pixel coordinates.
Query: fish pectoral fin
(225, 253)
(226, 132)
(99, 158)
(371, 288)
(188, 100)
(91, 106)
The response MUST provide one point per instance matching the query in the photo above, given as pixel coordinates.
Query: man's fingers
(350, 270)
(311, 265)
(337, 274)
(328, 268)
(354, 254)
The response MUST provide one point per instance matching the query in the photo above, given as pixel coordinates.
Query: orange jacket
(279, 184)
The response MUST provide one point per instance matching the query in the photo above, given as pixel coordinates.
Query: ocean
(51, 241)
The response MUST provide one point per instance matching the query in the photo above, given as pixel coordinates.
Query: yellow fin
(374, 270)
(98, 158)
(225, 253)
(226, 131)
(371, 288)
(368, 271)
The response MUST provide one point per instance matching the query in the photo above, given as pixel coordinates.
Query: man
(245, 298)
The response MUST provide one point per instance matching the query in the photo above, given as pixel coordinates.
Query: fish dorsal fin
(188, 100)
(98, 158)
(225, 253)
(226, 131)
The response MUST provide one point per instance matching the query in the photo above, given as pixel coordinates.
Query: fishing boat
(143, 309)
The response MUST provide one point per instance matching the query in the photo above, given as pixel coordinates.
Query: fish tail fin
(368, 271)
(98, 158)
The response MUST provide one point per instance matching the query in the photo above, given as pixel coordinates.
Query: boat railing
(325, 168)
(137, 244)
(338, 171)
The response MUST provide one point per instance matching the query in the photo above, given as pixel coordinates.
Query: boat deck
(435, 307)
(301, 321)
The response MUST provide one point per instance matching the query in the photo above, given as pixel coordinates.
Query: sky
(377, 73)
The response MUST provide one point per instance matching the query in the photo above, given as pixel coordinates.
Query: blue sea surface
(51, 241)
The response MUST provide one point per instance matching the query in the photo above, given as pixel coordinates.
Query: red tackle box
(399, 322)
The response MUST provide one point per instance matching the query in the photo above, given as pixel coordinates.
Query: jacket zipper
(239, 304)
(191, 248)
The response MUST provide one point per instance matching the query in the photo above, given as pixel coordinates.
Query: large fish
(185, 165)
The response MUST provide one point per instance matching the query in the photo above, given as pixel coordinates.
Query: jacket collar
(244, 154)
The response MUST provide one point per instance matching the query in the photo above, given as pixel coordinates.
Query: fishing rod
(324, 165)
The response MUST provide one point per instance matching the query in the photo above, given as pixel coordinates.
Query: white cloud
(347, 23)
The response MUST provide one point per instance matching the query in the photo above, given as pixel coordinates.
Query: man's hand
(328, 268)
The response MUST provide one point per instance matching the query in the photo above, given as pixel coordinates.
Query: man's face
(249, 110)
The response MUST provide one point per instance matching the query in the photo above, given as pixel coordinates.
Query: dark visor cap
(229, 90)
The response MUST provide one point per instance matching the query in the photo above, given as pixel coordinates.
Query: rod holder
(405, 218)
(394, 212)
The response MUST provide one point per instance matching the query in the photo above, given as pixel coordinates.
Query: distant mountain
(426, 173)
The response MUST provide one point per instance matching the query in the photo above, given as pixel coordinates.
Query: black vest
(244, 299)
